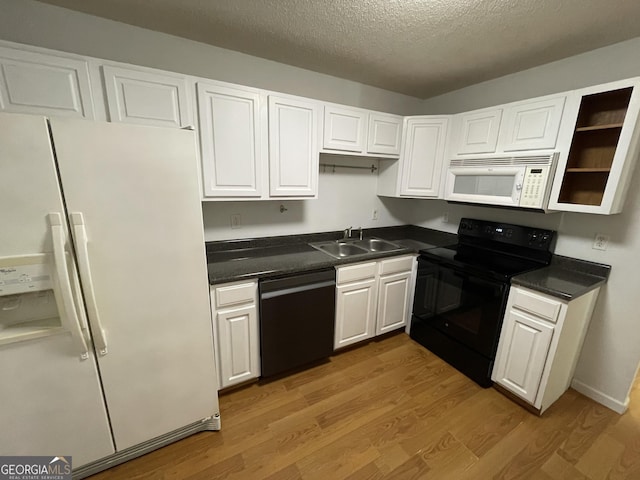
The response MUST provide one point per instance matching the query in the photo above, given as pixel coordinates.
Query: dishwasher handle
(296, 283)
(291, 291)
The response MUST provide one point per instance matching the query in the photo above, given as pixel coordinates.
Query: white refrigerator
(106, 346)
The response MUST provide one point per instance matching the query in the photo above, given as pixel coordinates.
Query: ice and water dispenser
(28, 307)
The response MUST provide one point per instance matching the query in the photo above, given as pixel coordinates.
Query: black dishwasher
(297, 315)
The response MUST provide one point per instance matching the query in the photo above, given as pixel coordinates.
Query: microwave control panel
(534, 186)
(24, 278)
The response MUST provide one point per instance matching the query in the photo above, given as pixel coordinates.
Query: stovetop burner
(497, 264)
(497, 249)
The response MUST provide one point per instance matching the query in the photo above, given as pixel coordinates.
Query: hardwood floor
(392, 409)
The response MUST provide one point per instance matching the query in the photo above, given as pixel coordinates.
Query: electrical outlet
(236, 220)
(374, 214)
(601, 241)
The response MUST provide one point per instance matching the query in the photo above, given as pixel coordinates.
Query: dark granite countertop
(234, 260)
(565, 278)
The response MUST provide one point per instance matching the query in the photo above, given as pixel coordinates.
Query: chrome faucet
(347, 233)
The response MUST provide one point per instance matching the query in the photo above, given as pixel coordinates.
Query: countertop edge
(562, 295)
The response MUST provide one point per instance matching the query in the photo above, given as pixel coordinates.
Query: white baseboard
(603, 399)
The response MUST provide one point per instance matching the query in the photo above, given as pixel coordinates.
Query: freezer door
(51, 398)
(132, 193)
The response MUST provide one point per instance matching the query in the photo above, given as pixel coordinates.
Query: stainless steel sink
(354, 247)
(339, 249)
(376, 245)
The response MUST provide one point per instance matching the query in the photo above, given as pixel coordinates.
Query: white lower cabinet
(393, 297)
(235, 317)
(355, 312)
(372, 298)
(525, 354)
(540, 342)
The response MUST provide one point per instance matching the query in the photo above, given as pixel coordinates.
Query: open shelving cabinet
(597, 145)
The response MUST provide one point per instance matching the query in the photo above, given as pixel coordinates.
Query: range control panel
(516, 235)
(29, 277)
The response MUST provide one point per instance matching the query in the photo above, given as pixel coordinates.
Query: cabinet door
(355, 312)
(422, 156)
(44, 84)
(293, 147)
(385, 134)
(238, 350)
(522, 354)
(146, 98)
(479, 131)
(393, 300)
(344, 129)
(233, 155)
(532, 125)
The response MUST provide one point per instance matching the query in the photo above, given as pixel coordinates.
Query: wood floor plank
(369, 472)
(587, 427)
(393, 410)
(600, 458)
(413, 469)
(558, 468)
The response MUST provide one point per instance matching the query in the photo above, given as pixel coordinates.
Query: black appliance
(462, 289)
(297, 317)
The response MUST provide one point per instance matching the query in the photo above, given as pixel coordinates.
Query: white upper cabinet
(355, 131)
(141, 97)
(293, 147)
(232, 123)
(344, 129)
(385, 134)
(44, 84)
(478, 131)
(601, 149)
(532, 125)
(422, 156)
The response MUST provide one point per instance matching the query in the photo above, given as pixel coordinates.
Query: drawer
(396, 265)
(352, 273)
(537, 305)
(234, 294)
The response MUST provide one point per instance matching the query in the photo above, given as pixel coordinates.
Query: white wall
(615, 62)
(345, 198)
(611, 352)
(34, 23)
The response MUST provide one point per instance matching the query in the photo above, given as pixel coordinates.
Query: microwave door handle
(80, 235)
(63, 282)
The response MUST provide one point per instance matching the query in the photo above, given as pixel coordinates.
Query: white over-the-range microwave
(514, 181)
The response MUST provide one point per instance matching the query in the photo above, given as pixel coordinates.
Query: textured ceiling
(417, 47)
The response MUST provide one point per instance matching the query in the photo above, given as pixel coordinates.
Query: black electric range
(462, 290)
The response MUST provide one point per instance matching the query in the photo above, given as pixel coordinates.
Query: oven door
(465, 307)
(485, 185)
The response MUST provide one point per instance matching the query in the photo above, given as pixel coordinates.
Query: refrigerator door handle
(80, 235)
(64, 283)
